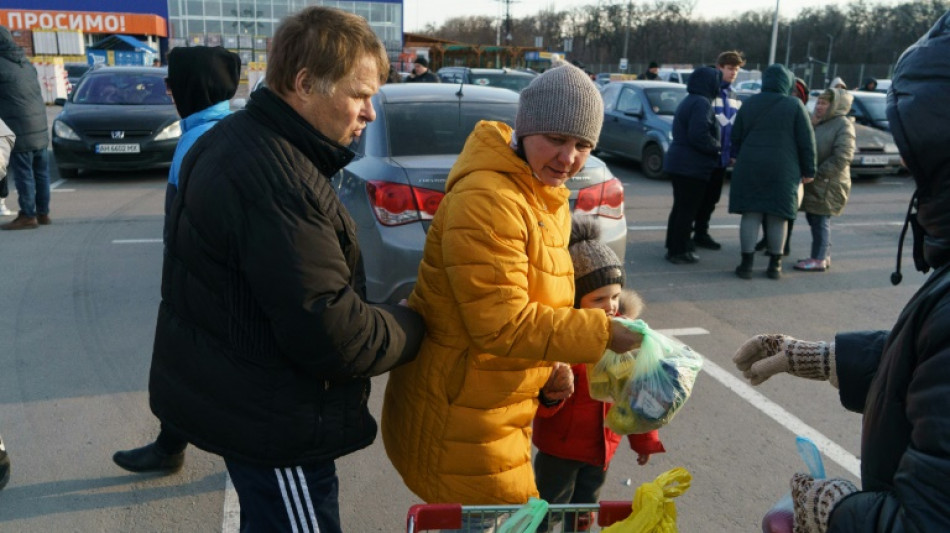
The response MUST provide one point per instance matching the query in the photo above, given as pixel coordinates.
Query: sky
(418, 13)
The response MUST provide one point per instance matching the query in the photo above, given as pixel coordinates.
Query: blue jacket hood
(704, 81)
(777, 79)
(918, 108)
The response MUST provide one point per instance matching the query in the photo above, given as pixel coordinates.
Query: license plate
(118, 148)
(874, 160)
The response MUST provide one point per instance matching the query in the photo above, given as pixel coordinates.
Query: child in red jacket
(574, 445)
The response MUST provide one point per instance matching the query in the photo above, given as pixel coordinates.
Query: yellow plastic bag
(653, 507)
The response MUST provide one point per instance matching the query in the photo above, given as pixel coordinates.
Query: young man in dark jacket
(898, 379)
(24, 111)
(726, 105)
(264, 344)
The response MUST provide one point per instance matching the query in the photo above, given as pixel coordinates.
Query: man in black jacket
(421, 72)
(898, 379)
(23, 110)
(264, 345)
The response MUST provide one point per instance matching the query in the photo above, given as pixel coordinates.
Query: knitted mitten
(814, 500)
(763, 356)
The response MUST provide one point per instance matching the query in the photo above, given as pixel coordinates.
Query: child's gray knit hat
(595, 264)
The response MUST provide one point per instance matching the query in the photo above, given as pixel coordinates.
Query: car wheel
(68, 173)
(652, 162)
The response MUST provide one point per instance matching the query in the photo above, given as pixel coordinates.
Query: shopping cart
(432, 516)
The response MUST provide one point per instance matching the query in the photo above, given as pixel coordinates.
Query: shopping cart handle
(613, 512)
(435, 516)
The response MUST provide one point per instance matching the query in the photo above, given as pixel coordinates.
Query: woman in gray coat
(827, 195)
(774, 147)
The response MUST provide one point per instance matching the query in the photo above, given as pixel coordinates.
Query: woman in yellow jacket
(496, 290)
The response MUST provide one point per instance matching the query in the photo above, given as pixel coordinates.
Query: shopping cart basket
(427, 517)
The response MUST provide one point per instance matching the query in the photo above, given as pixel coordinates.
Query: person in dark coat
(202, 80)
(693, 155)
(22, 108)
(774, 147)
(869, 85)
(652, 72)
(421, 73)
(898, 379)
(264, 343)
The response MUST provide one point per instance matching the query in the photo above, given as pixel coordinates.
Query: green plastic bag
(607, 378)
(661, 382)
(527, 519)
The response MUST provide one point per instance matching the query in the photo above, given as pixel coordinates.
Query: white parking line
(56, 184)
(232, 508)
(773, 410)
(736, 226)
(136, 241)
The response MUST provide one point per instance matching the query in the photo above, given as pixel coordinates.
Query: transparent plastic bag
(607, 378)
(661, 382)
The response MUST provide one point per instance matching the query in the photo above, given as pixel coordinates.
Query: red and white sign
(84, 21)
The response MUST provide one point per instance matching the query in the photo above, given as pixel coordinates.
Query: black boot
(4, 466)
(775, 266)
(744, 270)
(149, 458)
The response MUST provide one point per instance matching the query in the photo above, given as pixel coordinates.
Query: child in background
(574, 445)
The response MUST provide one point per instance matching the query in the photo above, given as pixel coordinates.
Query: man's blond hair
(328, 42)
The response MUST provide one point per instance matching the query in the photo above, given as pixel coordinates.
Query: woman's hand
(622, 339)
(807, 180)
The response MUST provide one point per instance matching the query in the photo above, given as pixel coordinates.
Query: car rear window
(514, 83)
(437, 129)
(122, 89)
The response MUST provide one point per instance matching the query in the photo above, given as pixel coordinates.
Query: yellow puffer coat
(495, 288)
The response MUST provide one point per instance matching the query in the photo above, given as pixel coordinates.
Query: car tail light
(604, 199)
(395, 203)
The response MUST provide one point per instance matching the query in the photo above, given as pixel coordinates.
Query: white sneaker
(4, 210)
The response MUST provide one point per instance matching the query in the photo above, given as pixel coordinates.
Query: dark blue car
(638, 121)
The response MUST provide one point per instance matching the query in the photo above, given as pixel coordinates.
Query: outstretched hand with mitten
(815, 499)
(763, 356)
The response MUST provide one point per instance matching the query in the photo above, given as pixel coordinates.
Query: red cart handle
(434, 516)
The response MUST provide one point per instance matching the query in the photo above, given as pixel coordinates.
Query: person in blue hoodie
(202, 80)
(693, 155)
(726, 105)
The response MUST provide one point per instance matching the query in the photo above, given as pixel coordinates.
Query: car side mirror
(59, 101)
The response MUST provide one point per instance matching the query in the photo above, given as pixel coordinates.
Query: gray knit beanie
(562, 100)
(595, 264)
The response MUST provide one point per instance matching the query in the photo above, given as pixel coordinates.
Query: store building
(244, 26)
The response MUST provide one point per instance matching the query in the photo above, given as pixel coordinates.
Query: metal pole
(831, 44)
(774, 34)
(788, 45)
(626, 36)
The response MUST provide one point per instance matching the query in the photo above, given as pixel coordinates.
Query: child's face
(606, 298)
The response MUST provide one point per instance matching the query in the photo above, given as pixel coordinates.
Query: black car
(505, 78)
(117, 118)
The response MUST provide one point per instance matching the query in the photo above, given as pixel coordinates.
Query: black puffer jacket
(264, 344)
(21, 101)
(900, 379)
